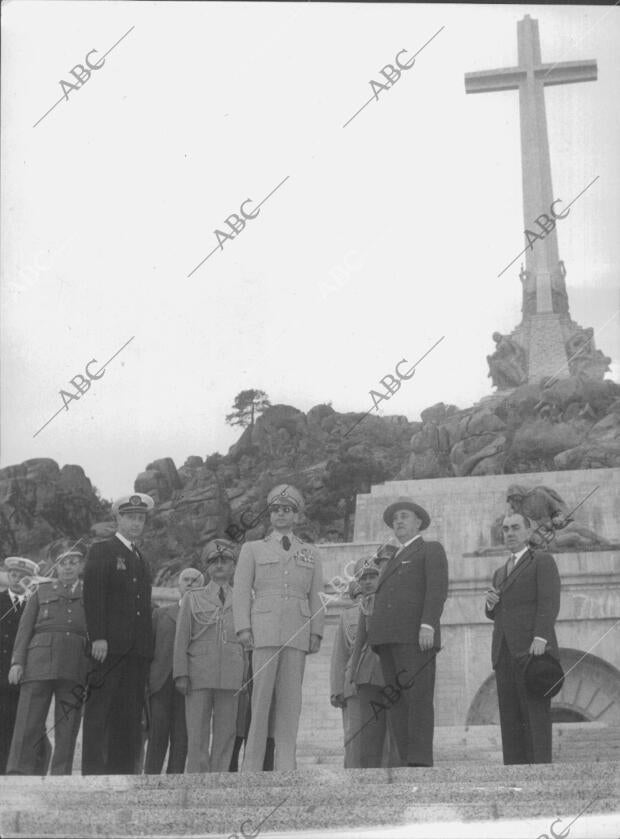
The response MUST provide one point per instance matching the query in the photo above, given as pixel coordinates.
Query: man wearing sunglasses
(281, 623)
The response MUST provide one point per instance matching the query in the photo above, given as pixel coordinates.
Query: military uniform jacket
(368, 670)
(9, 621)
(164, 629)
(286, 608)
(206, 648)
(411, 590)
(51, 638)
(117, 599)
(529, 604)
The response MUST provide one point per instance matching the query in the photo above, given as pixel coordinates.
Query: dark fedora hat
(543, 675)
(406, 504)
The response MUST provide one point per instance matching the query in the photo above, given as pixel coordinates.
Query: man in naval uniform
(282, 623)
(117, 603)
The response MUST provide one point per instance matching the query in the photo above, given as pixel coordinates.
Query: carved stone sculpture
(584, 360)
(507, 365)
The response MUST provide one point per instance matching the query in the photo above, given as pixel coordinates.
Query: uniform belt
(62, 630)
(278, 592)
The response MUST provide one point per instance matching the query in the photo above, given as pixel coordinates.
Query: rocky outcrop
(39, 502)
(574, 424)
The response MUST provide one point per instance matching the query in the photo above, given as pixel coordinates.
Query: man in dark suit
(117, 603)
(12, 604)
(167, 705)
(523, 605)
(404, 629)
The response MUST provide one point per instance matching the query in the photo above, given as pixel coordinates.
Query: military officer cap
(364, 567)
(406, 504)
(65, 548)
(138, 502)
(286, 494)
(20, 563)
(219, 547)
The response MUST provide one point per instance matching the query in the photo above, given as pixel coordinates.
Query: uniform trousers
(166, 726)
(411, 717)
(525, 720)
(30, 734)
(9, 697)
(112, 732)
(278, 675)
(202, 709)
(367, 743)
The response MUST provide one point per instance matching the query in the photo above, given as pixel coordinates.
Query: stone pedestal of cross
(545, 326)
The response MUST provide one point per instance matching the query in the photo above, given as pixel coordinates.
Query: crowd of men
(221, 669)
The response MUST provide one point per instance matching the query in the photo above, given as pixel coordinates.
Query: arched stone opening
(591, 692)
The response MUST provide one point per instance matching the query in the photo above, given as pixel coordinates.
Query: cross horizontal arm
(487, 80)
(567, 72)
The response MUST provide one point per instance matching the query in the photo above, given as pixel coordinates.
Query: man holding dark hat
(278, 614)
(405, 632)
(523, 604)
(117, 604)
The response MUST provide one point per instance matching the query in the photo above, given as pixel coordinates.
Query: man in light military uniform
(282, 623)
(208, 663)
(49, 659)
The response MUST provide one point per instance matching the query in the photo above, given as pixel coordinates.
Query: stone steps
(320, 797)
(572, 742)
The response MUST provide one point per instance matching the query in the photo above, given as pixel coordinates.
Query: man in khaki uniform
(49, 660)
(208, 663)
(282, 624)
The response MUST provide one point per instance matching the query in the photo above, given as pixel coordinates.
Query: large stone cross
(530, 78)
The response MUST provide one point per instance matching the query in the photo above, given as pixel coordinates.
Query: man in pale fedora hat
(117, 604)
(278, 614)
(404, 629)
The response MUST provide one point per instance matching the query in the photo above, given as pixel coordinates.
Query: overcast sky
(113, 198)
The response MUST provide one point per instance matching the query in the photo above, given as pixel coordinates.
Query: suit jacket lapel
(396, 560)
(123, 546)
(518, 569)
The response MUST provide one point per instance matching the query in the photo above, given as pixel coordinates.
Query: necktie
(222, 596)
(135, 550)
(511, 564)
(286, 543)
